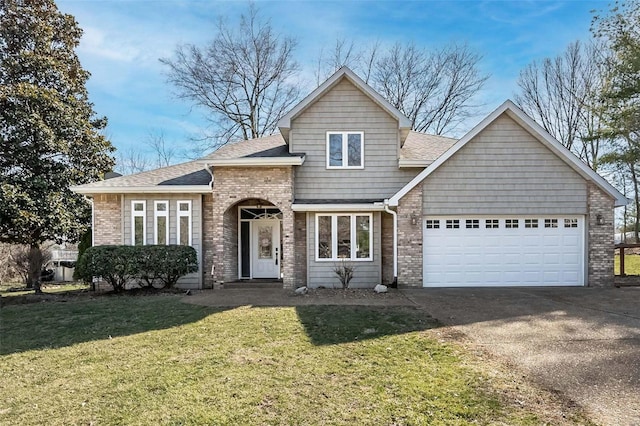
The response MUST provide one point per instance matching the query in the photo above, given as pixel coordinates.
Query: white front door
(265, 248)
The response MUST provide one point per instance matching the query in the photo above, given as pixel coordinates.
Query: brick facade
(107, 219)
(300, 249)
(207, 240)
(387, 248)
(231, 186)
(410, 239)
(599, 237)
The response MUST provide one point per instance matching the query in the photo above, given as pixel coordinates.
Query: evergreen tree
(50, 137)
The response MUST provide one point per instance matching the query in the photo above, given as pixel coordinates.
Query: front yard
(156, 360)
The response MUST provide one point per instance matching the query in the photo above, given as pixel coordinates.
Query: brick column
(410, 239)
(207, 240)
(599, 237)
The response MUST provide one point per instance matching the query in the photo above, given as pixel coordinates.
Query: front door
(265, 248)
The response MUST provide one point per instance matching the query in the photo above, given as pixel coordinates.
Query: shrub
(344, 271)
(148, 264)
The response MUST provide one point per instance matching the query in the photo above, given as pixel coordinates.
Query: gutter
(208, 168)
(395, 240)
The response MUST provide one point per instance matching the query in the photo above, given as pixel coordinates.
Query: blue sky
(123, 40)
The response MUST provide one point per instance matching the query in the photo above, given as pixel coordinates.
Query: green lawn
(631, 264)
(155, 360)
(9, 290)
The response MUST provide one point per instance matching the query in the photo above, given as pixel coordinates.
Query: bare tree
(242, 78)
(433, 88)
(164, 154)
(561, 94)
(7, 265)
(132, 161)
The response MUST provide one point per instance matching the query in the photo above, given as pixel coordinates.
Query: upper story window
(345, 150)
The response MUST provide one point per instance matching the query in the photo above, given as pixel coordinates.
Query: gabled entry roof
(285, 122)
(515, 113)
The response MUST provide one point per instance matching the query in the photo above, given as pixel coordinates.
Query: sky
(124, 39)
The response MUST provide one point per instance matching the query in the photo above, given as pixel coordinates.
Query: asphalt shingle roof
(421, 146)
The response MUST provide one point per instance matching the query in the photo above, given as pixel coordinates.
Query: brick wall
(107, 219)
(410, 239)
(300, 223)
(207, 240)
(387, 248)
(235, 184)
(600, 237)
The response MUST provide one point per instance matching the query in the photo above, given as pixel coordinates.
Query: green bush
(149, 265)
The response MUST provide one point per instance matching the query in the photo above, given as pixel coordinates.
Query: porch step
(254, 284)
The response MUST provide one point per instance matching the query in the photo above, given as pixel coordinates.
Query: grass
(156, 360)
(15, 289)
(631, 264)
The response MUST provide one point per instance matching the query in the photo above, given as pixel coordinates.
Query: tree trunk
(636, 195)
(35, 267)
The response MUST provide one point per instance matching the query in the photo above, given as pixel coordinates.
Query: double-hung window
(138, 222)
(344, 236)
(184, 223)
(161, 222)
(345, 150)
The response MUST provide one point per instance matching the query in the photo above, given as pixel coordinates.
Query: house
(347, 180)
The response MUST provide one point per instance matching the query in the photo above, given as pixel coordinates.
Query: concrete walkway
(582, 342)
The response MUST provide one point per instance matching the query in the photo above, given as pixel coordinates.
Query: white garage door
(503, 251)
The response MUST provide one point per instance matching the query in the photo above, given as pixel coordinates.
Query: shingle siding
(504, 170)
(346, 108)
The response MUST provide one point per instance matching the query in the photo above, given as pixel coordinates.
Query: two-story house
(347, 180)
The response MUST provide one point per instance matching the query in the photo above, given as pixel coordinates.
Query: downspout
(395, 241)
(208, 169)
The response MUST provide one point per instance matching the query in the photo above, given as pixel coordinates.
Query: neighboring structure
(348, 181)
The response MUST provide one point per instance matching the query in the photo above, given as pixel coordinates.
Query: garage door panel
(504, 256)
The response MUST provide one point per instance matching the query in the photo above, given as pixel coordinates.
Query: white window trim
(334, 238)
(345, 149)
(156, 215)
(143, 215)
(180, 214)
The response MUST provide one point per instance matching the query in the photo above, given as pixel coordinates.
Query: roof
(285, 122)
(421, 149)
(265, 151)
(538, 132)
(185, 177)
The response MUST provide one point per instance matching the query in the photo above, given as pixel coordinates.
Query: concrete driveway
(581, 342)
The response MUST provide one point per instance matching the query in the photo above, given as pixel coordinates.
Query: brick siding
(233, 185)
(387, 248)
(107, 219)
(207, 240)
(410, 239)
(600, 237)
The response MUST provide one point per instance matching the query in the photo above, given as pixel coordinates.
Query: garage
(504, 251)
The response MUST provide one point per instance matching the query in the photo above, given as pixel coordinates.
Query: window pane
(162, 229)
(183, 207)
(344, 237)
(362, 236)
(138, 207)
(335, 150)
(324, 237)
(161, 207)
(265, 242)
(355, 149)
(138, 229)
(184, 231)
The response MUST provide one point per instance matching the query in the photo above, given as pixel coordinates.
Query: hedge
(147, 265)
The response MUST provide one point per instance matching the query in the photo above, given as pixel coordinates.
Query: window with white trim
(551, 223)
(492, 223)
(511, 223)
(432, 224)
(531, 223)
(472, 223)
(183, 211)
(345, 150)
(453, 224)
(571, 223)
(138, 222)
(161, 222)
(344, 236)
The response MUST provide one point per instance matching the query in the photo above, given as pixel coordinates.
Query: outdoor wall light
(414, 219)
(599, 219)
